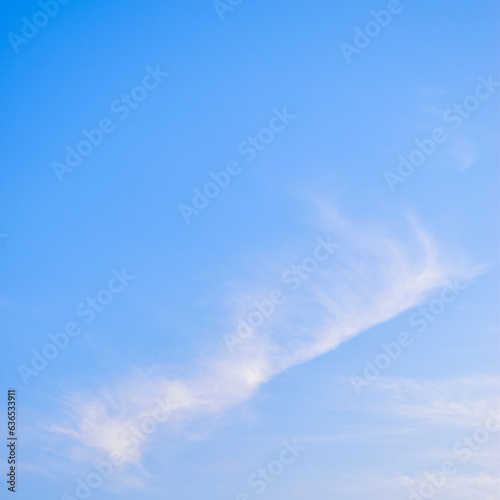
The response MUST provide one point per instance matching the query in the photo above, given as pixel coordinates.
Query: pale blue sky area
(224, 207)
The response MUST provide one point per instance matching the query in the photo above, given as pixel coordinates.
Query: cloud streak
(372, 278)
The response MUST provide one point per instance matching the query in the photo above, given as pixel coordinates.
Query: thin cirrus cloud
(371, 278)
(459, 487)
(464, 401)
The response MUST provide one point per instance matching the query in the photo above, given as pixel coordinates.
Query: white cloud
(462, 401)
(371, 278)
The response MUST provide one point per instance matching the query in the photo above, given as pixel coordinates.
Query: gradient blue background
(119, 208)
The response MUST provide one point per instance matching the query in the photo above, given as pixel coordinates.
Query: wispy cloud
(463, 401)
(372, 278)
(460, 487)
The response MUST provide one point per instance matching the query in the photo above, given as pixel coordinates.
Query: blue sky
(310, 237)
